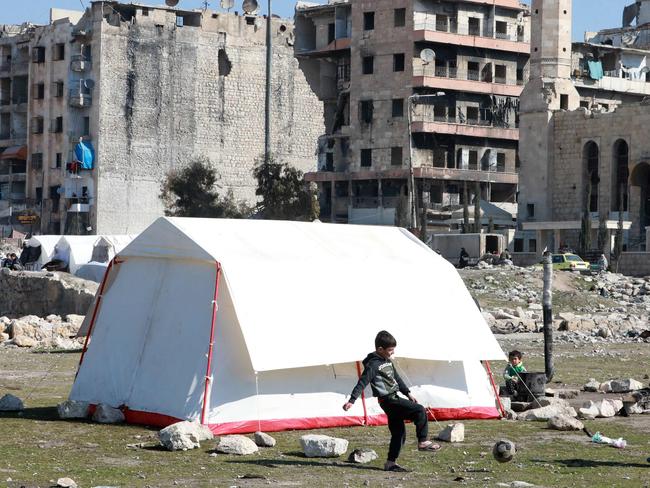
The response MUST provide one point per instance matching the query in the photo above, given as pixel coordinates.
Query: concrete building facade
(584, 140)
(151, 89)
(421, 99)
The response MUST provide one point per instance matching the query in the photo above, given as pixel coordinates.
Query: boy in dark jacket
(385, 383)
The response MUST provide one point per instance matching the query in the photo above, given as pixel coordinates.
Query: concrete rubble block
(626, 385)
(185, 435)
(105, 414)
(66, 483)
(236, 444)
(314, 445)
(605, 387)
(568, 394)
(589, 411)
(362, 456)
(11, 403)
(592, 385)
(73, 409)
(548, 401)
(264, 440)
(564, 422)
(452, 433)
(545, 413)
(599, 409)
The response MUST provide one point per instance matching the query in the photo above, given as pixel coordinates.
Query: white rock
(236, 444)
(314, 445)
(72, 409)
(4, 336)
(564, 422)
(545, 413)
(105, 414)
(605, 409)
(624, 386)
(182, 436)
(264, 440)
(11, 403)
(605, 387)
(66, 483)
(452, 433)
(592, 385)
(362, 456)
(589, 411)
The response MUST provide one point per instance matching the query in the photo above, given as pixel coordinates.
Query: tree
(192, 192)
(283, 192)
(585, 227)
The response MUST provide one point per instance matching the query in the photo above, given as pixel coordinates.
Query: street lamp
(411, 101)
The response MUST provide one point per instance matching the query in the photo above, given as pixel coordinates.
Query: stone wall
(168, 94)
(42, 294)
(635, 264)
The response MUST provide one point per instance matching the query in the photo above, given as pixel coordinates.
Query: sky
(588, 15)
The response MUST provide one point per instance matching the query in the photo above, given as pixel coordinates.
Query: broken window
(368, 67)
(366, 111)
(501, 162)
(398, 107)
(368, 21)
(398, 62)
(38, 54)
(58, 52)
(37, 125)
(473, 160)
(500, 73)
(224, 63)
(396, 156)
(39, 91)
(399, 19)
(474, 26)
(473, 71)
(564, 102)
(366, 158)
(331, 32)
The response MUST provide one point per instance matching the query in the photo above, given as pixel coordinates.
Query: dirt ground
(36, 448)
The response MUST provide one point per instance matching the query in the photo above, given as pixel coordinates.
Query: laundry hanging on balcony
(595, 69)
(84, 153)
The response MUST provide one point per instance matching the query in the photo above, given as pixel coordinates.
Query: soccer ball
(504, 451)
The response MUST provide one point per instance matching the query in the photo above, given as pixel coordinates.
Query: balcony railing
(425, 114)
(452, 72)
(473, 75)
(79, 99)
(424, 21)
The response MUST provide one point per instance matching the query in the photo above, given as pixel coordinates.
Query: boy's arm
(506, 373)
(366, 377)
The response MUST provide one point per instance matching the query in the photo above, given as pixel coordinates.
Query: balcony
(457, 174)
(430, 119)
(461, 79)
(5, 67)
(80, 63)
(79, 99)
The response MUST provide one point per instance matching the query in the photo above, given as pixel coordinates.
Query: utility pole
(267, 101)
(547, 311)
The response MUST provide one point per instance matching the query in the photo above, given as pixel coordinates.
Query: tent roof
(117, 242)
(308, 294)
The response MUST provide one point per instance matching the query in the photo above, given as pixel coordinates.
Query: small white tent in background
(48, 244)
(106, 247)
(76, 250)
(204, 319)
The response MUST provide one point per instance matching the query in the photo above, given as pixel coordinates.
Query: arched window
(620, 175)
(591, 179)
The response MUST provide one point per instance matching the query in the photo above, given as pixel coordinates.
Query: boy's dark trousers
(398, 410)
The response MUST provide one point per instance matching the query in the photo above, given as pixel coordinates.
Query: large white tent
(48, 244)
(248, 324)
(76, 250)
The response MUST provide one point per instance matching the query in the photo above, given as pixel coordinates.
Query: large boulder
(362, 456)
(11, 403)
(314, 445)
(264, 440)
(545, 413)
(182, 436)
(236, 444)
(626, 385)
(73, 409)
(564, 422)
(601, 409)
(452, 433)
(105, 414)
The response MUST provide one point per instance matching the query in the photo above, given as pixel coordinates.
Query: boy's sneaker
(396, 468)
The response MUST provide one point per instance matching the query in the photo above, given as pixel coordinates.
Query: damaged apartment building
(98, 106)
(585, 151)
(421, 101)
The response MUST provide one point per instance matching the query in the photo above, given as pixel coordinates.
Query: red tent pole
(94, 317)
(363, 397)
(208, 378)
(494, 387)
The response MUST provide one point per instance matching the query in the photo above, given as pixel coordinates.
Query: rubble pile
(603, 307)
(52, 331)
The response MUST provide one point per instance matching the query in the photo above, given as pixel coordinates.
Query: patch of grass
(35, 447)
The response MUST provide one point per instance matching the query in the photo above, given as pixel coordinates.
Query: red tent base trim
(249, 426)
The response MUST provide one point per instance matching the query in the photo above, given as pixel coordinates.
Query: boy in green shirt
(511, 373)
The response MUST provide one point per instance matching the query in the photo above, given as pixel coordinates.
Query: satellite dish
(227, 4)
(250, 6)
(171, 3)
(427, 55)
(90, 84)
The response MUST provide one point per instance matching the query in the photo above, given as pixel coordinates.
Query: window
(329, 161)
(591, 176)
(532, 245)
(472, 71)
(396, 156)
(38, 54)
(37, 160)
(366, 111)
(472, 115)
(398, 62)
(58, 52)
(519, 245)
(59, 161)
(474, 26)
(620, 176)
(502, 29)
(37, 125)
(558, 258)
(501, 162)
(530, 210)
(57, 89)
(39, 91)
(57, 125)
(564, 102)
(500, 73)
(473, 159)
(55, 197)
(145, 12)
(399, 17)
(368, 21)
(368, 65)
(520, 76)
(86, 126)
(39, 193)
(366, 158)
(331, 33)
(398, 107)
